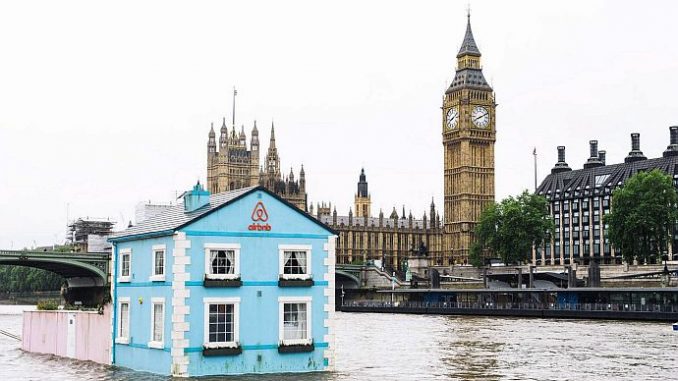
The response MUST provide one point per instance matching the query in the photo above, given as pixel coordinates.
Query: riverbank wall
(81, 335)
(526, 313)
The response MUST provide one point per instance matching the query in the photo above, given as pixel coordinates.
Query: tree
(642, 215)
(511, 228)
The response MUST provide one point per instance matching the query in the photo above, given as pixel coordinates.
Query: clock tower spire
(468, 132)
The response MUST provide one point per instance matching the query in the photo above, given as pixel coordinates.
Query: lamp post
(342, 295)
(666, 275)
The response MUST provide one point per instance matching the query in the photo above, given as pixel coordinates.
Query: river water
(384, 347)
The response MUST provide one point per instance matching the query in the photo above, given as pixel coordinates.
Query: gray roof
(469, 45)
(174, 216)
(469, 78)
(600, 180)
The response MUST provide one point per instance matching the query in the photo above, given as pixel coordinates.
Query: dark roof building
(579, 198)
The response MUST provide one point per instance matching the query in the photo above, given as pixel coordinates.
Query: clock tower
(468, 129)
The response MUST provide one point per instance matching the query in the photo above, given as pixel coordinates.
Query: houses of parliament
(468, 137)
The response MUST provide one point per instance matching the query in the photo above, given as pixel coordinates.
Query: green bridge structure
(87, 275)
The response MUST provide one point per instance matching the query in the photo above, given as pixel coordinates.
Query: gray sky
(104, 105)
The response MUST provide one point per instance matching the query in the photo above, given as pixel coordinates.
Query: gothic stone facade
(232, 166)
(468, 121)
(391, 240)
(580, 199)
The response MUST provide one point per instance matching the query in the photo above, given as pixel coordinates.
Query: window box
(295, 324)
(296, 348)
(209, 282)
(222, 262)
(282, 282)
(221, 327)
(295, 262)
(221, 351)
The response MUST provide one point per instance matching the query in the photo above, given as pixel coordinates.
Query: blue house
(230, 283)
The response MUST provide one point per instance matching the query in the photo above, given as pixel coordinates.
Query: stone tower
(468, 129)
(362, 198)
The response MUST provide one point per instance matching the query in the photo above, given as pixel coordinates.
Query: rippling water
(383, 347)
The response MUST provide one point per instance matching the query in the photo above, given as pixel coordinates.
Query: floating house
(229, 283)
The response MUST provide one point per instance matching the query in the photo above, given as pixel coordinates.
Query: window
(295, 261)
(600, 179)
(125, 267)
(221, 322)
(158, 272)
(157, 323)
(222, 261)
(295, 320)
(123, 321)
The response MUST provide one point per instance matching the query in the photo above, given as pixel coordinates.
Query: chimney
(635, 154)
(593, 161)
(601, 156)
(561, 165)
(196, 198)
(672, 149)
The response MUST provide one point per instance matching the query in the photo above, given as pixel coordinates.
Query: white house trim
(153, 343)
(235, 301)
(121, 253)
(158, 277)
(222, 246)
(282, 300)
(281, 261)
(330, 262)
(123, 339)
(180, 310)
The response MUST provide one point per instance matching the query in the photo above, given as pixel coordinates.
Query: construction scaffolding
(89, 234)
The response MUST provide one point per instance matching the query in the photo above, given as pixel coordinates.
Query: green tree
(642, 215)
(510, 228)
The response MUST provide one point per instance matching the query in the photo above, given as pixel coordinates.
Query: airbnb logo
(259, 214)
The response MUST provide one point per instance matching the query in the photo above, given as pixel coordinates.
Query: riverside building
(237, 282)
(579, 200)
(389, 239)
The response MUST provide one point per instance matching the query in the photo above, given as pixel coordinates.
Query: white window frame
(152, 343)
(121, 254)
(158, 277)
(235, 301)
(222, 246)
(281, 261)
(282, 300)
(123, 339)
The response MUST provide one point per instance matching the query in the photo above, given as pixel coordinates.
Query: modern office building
(238, 282)
(579, 200)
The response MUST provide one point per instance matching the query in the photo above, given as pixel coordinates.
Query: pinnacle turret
(468, 46)
(272, 143)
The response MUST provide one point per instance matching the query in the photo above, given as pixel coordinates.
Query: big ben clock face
(480, 117)
(452, 118)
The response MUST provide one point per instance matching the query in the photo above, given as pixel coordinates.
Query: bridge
(87, 274)
(363, 276)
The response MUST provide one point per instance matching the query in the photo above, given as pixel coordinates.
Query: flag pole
(534, 153)
(235, 92)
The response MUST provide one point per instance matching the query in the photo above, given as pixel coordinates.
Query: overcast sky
(104, 105)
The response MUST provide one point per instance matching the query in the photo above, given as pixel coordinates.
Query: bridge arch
(76, 268)
(346, 279)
